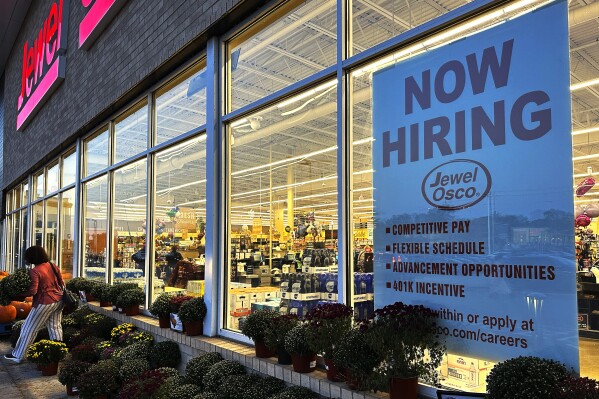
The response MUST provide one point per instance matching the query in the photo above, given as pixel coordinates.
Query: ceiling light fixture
(584, 131)
(582, 85)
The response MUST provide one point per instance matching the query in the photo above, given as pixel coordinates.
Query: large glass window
(179, 218)
(17, 238)
(181, 105)
(69, 166)
(95, 194)
(283, 206)
(16, 197)
(131, 133)
(130, 188)
(51, 227)
(67, 232)
(297, 42)
(95, 153)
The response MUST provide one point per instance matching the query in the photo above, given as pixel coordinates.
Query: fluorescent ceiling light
(583, 131)
(583, 157)
(306, 94)
(582, 85)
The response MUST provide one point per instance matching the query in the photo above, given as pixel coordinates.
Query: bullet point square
(388, 265)
(388, 285)
(388, 248)
(388, 230)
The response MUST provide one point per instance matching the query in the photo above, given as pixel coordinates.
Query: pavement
(24, 380)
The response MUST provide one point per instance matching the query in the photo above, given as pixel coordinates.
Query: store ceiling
(301, 137)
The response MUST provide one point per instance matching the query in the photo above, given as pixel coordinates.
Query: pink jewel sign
(98, 16)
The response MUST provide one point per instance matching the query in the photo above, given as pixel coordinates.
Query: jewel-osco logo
(456, 184)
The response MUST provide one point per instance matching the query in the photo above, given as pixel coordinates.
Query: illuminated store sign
(44, 62)
(472, 190)
(99, 14)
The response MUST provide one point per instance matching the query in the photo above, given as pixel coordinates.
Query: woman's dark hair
(36, 255)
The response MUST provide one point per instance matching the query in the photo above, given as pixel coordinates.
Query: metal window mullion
(150, 200)
(77, 262)
(109, 201)
(344, 180)
(30, 228)
(215, 244)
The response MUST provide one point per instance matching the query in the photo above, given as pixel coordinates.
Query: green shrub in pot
(70, 370)
(257, 324)
(217, 373)
(296, 392)
(354, 355)
(526, 377)
(327, 322)
(165, 354)
(193, 310)
(101, 379)
(131, 297)
(161, 306)
(198, 367)
(297, 341)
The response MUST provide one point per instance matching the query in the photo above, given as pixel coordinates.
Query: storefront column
(215, 243)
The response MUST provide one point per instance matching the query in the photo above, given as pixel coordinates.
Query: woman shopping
(46, 289)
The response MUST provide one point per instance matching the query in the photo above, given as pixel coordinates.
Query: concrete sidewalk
(24, 381)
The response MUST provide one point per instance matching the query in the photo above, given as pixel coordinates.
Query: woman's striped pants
(37, 319)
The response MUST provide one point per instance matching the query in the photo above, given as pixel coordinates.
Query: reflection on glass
(17, 197)
(373, 22)
(129, 223)
(52, 179)
(67, 233)
(296, 44)
(181, 105)
(10, 241)
(38, 223)
(24, 221)
(51, 227)
(180, 214)
(25, 193)
(95, 153)
(131, 133)
(9, 202)
(69, 166)
(16, 260)
(95, 195)
(38, 182)
(283, 204)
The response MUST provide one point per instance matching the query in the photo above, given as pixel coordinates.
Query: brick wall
(131, 54)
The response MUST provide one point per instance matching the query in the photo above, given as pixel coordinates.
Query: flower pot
(303, 363)
(283, 356)
(262, 350)
(89, 297)
(164, 321)
(333, 373)
(105, 304)
(50, 369)
(194, 327)
(71, 391)
(352, 382)
(403, 388)
(132, 310)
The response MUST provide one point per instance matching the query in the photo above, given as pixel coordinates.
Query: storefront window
(282, 228)
(181, 105)
(38, 223)
(24, 229)
(67, 232)
(25, 194)
(10, 231)
(38, 183)
(52, 179)
(95, 153)
(180, 215)
(131, 133)
(130, 188)
(95, 194)
(298, 42)
(51, 227)
(69, 166)
(373, 22)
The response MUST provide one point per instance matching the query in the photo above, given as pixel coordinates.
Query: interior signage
(98, 16)
(44, 62)
(459, 228)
